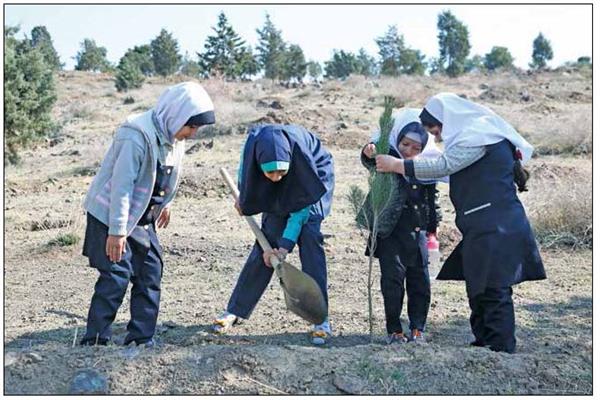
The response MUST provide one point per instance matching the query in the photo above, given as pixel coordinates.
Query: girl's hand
(280, 253)
(369, 150)
(115, 247)
(164, 218)
(385, 163)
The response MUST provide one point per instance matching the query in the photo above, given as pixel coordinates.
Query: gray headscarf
(178, 104)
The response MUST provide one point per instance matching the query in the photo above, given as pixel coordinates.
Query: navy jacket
(498, 248)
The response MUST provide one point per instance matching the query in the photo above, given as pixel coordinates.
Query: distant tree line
(30, 64)
(226, 55)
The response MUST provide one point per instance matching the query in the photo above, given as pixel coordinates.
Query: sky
(318, 29)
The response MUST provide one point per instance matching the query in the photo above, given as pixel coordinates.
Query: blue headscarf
(301, 187)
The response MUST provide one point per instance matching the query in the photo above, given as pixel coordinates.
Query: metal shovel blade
(302, 294)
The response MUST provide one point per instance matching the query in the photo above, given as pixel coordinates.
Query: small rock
(88, 381)
(276, 105)
(11, 358)
(32, 357)
(346, 384)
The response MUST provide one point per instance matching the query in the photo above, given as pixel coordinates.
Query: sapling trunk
(380, 185)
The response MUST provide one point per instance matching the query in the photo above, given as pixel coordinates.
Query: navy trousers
(401, 258)
(255, 275)
(493, 319)
(142, 266)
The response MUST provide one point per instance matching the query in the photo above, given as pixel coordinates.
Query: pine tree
(128, 76)
(247, 64)
(366, 63)
(542, 52)
(223, 50)
(498, 58)
(294, 64)
(92, 57)
(271, 48)
(390, 45)
(412, 62)
(314, 70)
(40, 39)
(453, 40)
(341, 65)
(369, 209)
(141, 56)
(165, 53)
(396, 57)
(29, 94)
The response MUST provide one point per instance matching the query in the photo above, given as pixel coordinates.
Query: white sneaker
(320, 333)
(224, 322)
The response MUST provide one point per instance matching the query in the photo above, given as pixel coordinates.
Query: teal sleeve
(241, 166)
(293, 227)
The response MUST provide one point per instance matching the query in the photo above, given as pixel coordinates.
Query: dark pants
(142, 266)
(255, 275)
(402, 256)
(493, 319)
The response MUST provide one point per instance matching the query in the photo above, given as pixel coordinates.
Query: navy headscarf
(299, 188)
(273, 150)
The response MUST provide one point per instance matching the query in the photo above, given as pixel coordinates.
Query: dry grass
(560, 205)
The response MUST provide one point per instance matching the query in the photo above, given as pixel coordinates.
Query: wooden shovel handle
(260, 236)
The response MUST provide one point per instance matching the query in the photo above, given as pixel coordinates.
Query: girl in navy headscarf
(483, 156)
(287, 175)
(401, 240)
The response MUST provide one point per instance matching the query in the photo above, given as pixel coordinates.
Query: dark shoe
(477, 343)
(397, 337)
(94, 342)
(417, 336)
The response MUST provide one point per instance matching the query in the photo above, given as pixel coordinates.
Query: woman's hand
(280, 253)
(164, 218)
(385, 163)
(369, 150)
(115, 247)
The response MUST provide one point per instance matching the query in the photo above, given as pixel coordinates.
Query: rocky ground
(47, 286)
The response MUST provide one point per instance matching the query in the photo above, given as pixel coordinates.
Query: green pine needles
(368, 209)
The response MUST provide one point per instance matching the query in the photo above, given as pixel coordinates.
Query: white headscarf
(469, 124)
(402, 118)
(178, 104)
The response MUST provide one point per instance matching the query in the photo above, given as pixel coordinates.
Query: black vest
(498, 248)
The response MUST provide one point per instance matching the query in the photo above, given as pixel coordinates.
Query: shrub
(66, 239)
(29, 95)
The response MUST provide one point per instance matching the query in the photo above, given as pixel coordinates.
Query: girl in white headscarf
(131, 196)
(483, 156)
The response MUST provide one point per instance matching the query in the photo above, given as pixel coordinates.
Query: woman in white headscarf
(129, 197)
(483, 156)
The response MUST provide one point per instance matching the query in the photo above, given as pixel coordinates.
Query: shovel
(302, 294)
